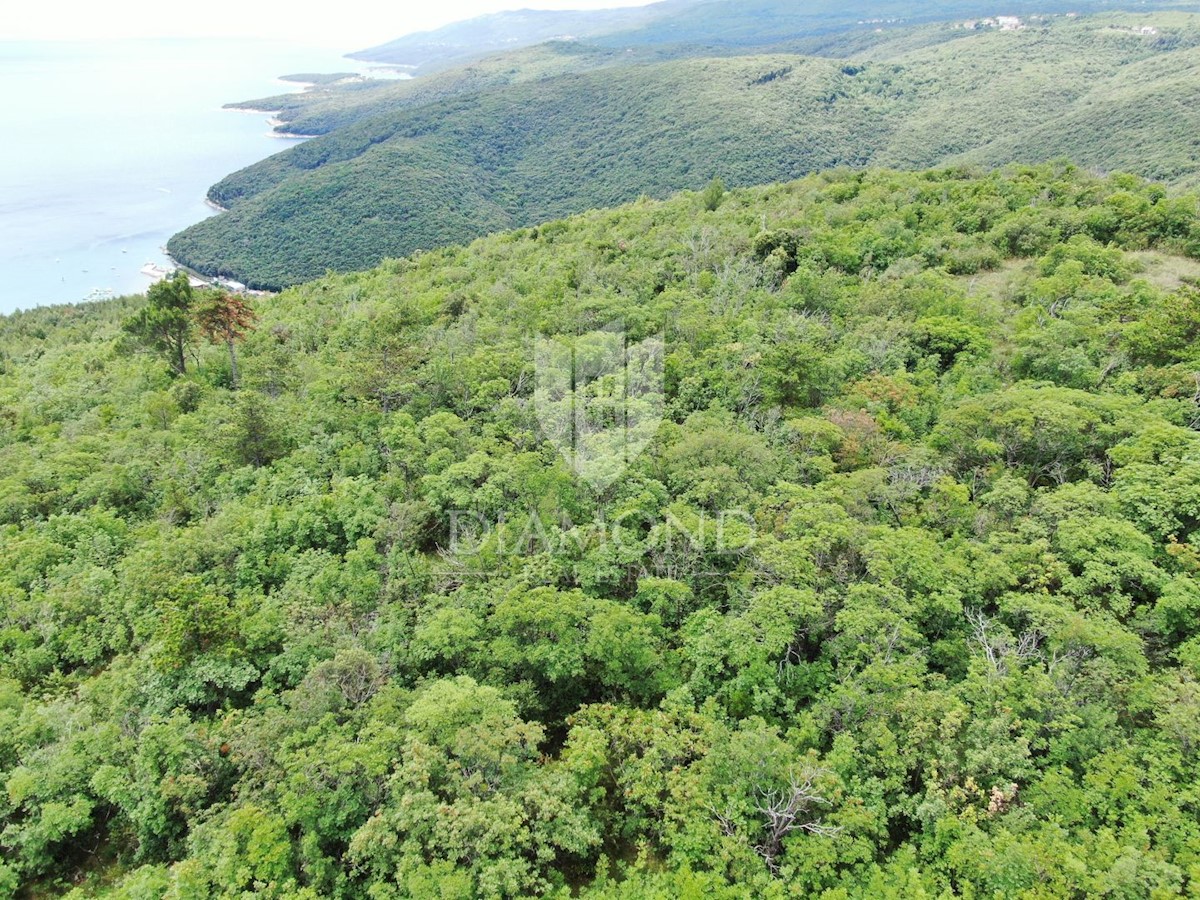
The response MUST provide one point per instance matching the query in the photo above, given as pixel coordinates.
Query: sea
(107, 149)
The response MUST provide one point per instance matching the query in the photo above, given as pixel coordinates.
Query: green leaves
(471, 797)
(165, 323)
(901, 597)
(713, 195)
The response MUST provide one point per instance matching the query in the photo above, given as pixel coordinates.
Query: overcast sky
(343, 25)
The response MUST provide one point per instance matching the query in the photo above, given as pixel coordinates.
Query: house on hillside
(1009, 23)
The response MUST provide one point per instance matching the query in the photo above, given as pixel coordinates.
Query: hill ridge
(514, 154)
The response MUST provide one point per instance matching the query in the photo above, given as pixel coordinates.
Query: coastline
(273, 122)
(151, 173)
(276, 123)
(301, 87)
(231, 107)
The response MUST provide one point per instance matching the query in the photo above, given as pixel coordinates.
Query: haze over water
(109, 148)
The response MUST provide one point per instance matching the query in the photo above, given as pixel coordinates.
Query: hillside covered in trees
(901, 600)
(560, 128)
(696, 27)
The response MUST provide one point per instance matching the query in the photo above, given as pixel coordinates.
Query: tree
(788, 810)
(164, 324)
(714, 194)
(256, 441)
(225, 318)
(871, 616)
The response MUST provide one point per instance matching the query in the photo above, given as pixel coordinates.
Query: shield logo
(599, 399)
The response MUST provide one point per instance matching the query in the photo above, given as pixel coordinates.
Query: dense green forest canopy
(901, 601)
(565, 127)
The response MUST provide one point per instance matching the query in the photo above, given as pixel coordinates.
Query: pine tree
(164, 324)
(225, 318)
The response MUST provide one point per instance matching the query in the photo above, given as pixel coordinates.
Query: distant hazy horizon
(359, 23)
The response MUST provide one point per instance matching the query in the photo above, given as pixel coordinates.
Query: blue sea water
(108, 148)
